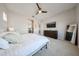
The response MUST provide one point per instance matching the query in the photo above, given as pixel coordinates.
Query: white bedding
(29, 45)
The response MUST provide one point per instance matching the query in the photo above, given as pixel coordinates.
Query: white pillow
(12, 37)
(4, 44)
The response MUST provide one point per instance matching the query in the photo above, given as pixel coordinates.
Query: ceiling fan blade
(38, 6)
(44, 11)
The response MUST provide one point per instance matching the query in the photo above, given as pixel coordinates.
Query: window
(4, 16)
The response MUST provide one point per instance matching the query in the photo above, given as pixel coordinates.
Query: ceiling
(29, 9)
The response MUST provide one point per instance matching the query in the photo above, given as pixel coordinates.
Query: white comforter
(29, 45)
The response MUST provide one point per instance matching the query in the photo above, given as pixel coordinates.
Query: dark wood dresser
(51, 33)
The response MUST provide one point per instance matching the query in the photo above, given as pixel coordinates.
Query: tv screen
(51, 25)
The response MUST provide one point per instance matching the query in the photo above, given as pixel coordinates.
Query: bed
(29, 44)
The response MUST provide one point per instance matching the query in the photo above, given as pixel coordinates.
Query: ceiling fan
(39, 9)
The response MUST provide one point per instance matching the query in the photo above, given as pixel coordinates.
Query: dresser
(51, 33)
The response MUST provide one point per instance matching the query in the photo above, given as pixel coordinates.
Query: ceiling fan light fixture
(40, 11)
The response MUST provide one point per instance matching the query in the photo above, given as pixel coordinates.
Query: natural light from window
(4, 16)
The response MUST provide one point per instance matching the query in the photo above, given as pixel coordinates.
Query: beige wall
(19, 22)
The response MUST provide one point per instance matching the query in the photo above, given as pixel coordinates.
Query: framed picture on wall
(51, 25)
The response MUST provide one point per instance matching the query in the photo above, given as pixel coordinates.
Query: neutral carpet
(59, 48)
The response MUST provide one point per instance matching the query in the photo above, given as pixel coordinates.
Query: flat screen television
(51, 25)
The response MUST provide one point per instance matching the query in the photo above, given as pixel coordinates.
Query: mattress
(30, 44)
